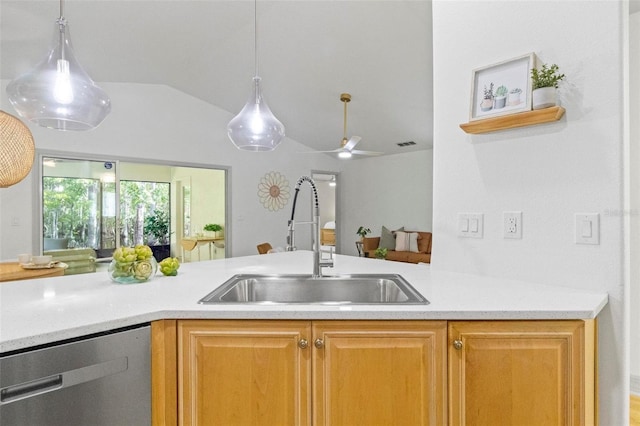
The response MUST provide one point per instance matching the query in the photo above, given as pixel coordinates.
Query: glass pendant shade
(255, 128)
(58, 93)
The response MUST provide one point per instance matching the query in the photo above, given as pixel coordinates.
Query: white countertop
(41, 311)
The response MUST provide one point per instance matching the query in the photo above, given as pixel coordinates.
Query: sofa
(423, 254)
(78, 260)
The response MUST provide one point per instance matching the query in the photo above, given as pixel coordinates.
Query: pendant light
(58, 93)
(17, 150)
(255, 128)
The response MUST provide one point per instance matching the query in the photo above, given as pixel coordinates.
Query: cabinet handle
(303, 344)
(457, 344)
(319, 343)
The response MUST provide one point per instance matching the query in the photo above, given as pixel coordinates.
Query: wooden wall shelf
(512, 121)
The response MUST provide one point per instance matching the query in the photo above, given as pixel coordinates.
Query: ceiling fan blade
(322, 152)
(359, 152)
(352, 143)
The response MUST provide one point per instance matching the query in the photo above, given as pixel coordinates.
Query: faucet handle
(327, 263)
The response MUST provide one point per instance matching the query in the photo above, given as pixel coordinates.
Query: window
(106, 204)
(78, 199)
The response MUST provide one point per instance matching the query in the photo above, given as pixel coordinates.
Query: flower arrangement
(132, 264)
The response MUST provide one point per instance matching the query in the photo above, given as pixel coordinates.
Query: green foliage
(214, 227)
(547, 76)
(157, 226)
(501, 91)
(139, 203)
(381, 253)
(362, 231)
(67, 207)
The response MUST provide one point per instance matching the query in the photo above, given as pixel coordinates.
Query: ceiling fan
(347, 145)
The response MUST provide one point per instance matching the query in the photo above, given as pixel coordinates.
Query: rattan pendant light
(17, 150)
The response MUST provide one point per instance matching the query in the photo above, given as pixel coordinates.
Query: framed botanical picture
(502, 88)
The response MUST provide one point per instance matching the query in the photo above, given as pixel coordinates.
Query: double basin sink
(376, 289)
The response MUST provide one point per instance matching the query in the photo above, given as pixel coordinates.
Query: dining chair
(264, 248)
(189, 245)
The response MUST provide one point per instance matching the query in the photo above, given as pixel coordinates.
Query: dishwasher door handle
(67, 379)
(32, 388)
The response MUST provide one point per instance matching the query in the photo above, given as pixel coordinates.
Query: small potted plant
(156, 232)
(500, 99)
(544, 84)
(514, 96)
(214, 228)
(381, 253)
(362, 231)
(487, 99)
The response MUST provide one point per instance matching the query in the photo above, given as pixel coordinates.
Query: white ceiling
(309, 52)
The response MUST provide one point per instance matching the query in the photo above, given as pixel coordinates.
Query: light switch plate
(587, 226)
(470, 225)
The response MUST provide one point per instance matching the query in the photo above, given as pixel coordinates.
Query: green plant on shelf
(213, 227)
(546, 76)
(362, 231)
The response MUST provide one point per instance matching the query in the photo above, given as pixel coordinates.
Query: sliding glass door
(79, 204)
(102, 205)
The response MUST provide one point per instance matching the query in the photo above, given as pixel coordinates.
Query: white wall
(549, 172)
(391, 191)
(159, 123)
(634, 214)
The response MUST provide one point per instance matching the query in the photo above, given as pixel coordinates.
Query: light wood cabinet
(237, 372)
(521, 373)
(379, 373)
(243, 373)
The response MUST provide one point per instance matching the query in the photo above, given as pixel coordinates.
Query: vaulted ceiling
(308, 53)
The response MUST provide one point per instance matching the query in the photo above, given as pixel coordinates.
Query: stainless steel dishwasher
(98, 380)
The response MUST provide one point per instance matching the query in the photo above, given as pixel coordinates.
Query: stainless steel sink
(329, 290)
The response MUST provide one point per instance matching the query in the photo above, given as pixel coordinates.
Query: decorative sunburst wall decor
(274, 191)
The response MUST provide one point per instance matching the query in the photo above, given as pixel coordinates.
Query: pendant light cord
(62, 23)
(255, 35)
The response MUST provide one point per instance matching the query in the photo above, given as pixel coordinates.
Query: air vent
(408, 143)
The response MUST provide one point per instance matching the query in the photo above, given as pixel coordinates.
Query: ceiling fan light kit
(255, 128)
(347, 144)
(58, 93)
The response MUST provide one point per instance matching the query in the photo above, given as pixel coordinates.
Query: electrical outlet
(512, 225)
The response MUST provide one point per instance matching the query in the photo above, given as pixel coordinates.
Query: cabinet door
(521, 372)
(243, 373)
(379, 372)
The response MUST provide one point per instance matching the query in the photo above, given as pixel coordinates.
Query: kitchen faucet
(315, 233)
